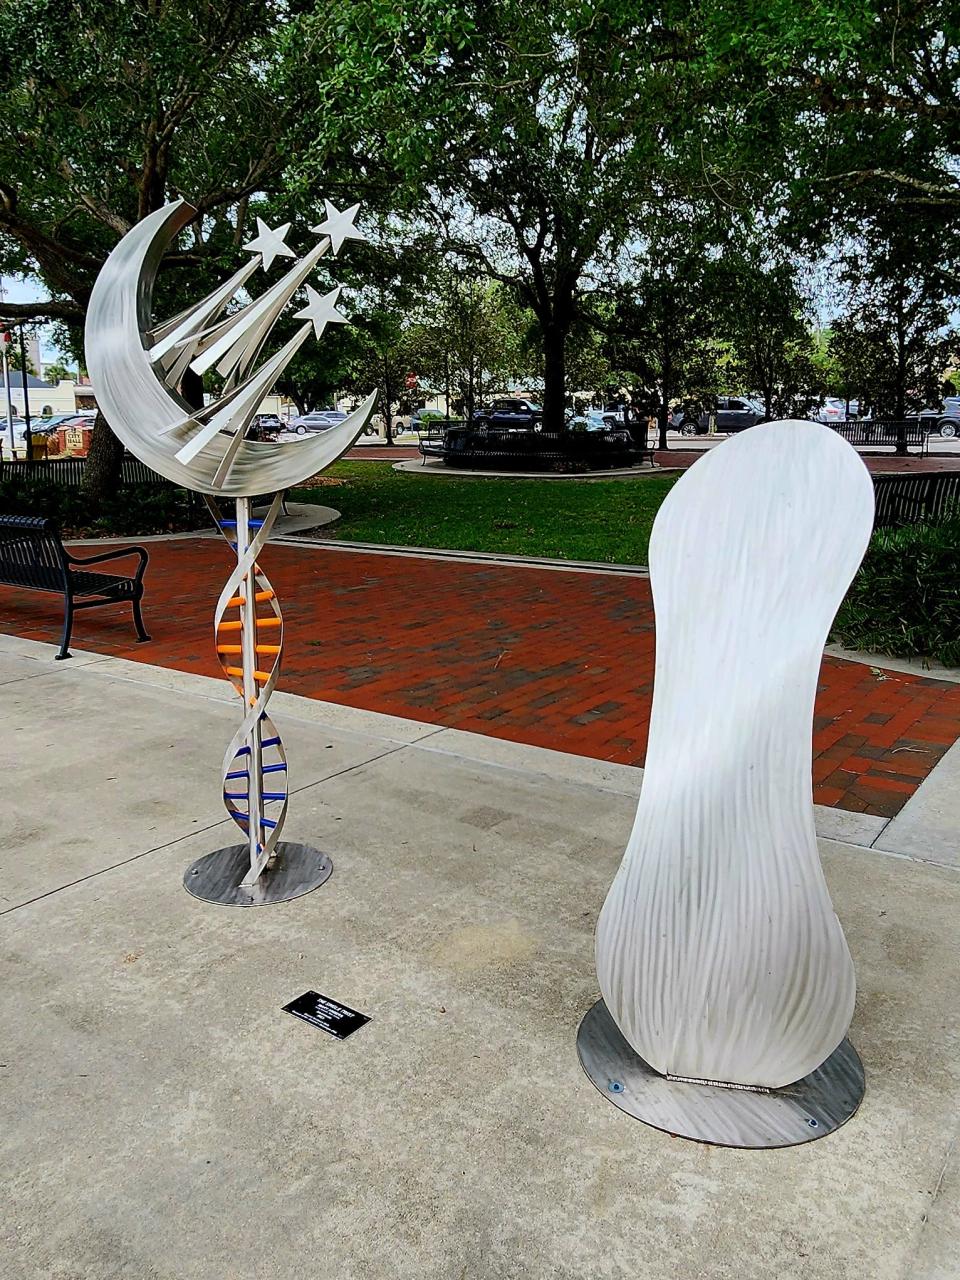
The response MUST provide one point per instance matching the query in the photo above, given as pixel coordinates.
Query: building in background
(45, 398)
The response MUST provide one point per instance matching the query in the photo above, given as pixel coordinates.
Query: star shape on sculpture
(321, 311)
(339, 226)
(269, 244)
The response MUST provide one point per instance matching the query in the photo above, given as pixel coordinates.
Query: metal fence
(481, 445)
(911, 499)
(68, 472)
(902, 433)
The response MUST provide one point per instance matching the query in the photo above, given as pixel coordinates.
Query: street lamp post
(26, 396)
(5, 339)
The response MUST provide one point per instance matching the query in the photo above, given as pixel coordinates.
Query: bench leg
(67, 628)
(138, 621)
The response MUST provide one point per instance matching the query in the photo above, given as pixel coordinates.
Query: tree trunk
(104, 465)
(900, 391)
(388, 402)
(554, 376)
(900, 411)
(666, 386)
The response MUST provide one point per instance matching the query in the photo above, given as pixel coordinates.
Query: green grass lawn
(607, 520)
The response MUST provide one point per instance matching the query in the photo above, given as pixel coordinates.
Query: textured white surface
(718, 951)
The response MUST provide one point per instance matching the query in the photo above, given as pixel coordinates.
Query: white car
(318, 420)
(832, 410)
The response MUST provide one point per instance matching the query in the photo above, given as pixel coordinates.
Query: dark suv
(505, 415)
(946, 421)
(734, 413)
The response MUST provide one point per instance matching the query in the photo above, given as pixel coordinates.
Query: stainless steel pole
(251, 690)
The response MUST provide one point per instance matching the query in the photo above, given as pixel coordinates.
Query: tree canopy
(636, 185)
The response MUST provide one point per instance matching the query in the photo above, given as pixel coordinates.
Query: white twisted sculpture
(718, 951)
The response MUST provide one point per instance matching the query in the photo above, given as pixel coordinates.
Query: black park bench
(32, 556)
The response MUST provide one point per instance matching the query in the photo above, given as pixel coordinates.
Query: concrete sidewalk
(162, 1119)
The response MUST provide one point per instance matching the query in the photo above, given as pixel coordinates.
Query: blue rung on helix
(272, 768)
(232, 524)
(270, 742)
(230, 795)
(273, 795)
(238, 773)
(267, 822)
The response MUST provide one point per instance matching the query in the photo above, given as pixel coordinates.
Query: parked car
(318, 420)
(734, 413)
(836, 409)
(946, 421)
(509, 414)
(595, 420)
(832, 411)
(18, 429)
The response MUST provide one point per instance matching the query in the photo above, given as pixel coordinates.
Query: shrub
(134, 510)
(905, 600)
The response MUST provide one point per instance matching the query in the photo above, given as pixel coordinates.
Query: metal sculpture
(727, 984)
(137, 369)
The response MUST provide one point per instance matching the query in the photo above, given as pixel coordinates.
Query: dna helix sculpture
(249, 649)
(248, 629)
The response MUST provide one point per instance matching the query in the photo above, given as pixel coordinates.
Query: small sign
(320, 1011)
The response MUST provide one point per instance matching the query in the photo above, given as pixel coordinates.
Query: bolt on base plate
(719, 1114)
(295, 869)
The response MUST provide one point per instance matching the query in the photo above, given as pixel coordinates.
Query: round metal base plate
(718, 1114)
(295, 869)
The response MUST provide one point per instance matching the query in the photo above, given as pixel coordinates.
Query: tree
(535, 132)
(14, 360)
(864, 97)
(319, 369)
(389, 278)
(896, 341)
(667, 315)
(772, 349)
(475, 338)
(58, 372)
(111, 113)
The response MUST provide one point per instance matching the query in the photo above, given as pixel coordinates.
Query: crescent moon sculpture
(137, 367)
(147, 412)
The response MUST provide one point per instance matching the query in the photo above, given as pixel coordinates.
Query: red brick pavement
(552, 658)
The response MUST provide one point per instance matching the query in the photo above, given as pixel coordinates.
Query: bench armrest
(112, 555)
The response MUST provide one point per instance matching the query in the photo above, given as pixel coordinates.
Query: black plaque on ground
(320, 1011)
